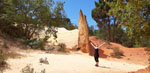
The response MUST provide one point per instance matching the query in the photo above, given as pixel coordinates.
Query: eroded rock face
(146, 70)
(83, 39)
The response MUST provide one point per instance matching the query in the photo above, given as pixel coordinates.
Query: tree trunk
(109, 30)
(114, 31)
(26, 32)
(105, 35)
(31, 35)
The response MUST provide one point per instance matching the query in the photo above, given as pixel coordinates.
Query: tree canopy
(32, 16)
(133, 15)
(99, 14)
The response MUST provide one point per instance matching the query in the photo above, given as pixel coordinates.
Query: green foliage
(117, 53)
(31, 17)
(99, 14)
(144, 42)
(60, 17)
(70, 26)
(40, 44)
(67, 24)
(91, 30)
(120, 36)
(11, 31)
(104, 22)
(36, 43)
(134, 15)
(62, 47)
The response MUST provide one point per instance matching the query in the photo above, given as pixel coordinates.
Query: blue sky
(72, 8)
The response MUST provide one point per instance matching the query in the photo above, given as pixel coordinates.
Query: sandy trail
(71, 63)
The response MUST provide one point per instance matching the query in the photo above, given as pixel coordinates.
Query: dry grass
(29, 69)
(14, 55)
(3, 59)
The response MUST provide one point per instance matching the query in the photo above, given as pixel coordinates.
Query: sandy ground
(69, 63)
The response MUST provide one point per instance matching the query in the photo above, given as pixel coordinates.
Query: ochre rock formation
(146, 70)
(83, 37)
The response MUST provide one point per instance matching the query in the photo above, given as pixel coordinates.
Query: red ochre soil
(131, 55)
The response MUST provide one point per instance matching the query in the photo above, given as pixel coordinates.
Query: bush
(62, 47)
(50, 47)
(28, 69)
(44, 61)
(117, 53)
(36, 43)
(29, 42)
(40, 45)
(10, 30)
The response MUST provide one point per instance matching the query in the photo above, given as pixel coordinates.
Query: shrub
(50, 47)
(28, 69)
(45, 61)
(10, 30)
(62, 47)
(41, 44)
(36, 43)
(29, 42)
(117, 53)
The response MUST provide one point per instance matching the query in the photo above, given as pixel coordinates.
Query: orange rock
(83, 39)
(146, 70)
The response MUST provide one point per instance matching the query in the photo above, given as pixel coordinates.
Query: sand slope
(71, 63)
(68, 37)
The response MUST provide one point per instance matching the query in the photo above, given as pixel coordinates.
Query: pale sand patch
(68, 37)
(72, 63)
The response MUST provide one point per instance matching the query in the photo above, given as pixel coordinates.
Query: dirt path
(72, 63)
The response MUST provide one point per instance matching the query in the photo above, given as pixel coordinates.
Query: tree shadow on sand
(104, 67)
